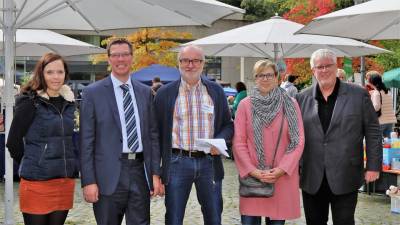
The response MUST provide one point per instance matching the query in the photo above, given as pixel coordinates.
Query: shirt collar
(186, 86)
(117, 83)
(334, 93)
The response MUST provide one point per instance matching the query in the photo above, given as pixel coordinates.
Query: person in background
(341, 74)
(230, 100)
(368, 86)
(289, 87)
(156, 84)
(337, 116)
(119, 151)
(257, 125)
(383, 103)
(241, 94)
(192, 107)
(40, 139)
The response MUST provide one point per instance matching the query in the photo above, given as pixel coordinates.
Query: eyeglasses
(121, 54)
(268, 76)
(186, 61)
(324, 67)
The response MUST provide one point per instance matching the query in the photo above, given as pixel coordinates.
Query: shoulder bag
(252, 187)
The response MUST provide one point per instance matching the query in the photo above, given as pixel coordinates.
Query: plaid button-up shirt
(193, 116)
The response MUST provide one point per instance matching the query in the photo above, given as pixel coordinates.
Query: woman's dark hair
(240, 86)
(37, 81)
(376, 80)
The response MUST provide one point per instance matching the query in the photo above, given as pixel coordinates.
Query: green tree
(390, 60)
(257, 10)
(341, 4)
(25, 79)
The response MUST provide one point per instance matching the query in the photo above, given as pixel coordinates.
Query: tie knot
(125, 87)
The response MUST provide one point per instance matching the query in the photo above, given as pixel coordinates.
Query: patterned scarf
(264, 111)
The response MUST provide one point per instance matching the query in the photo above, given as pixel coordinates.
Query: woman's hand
(272, 175)
(257, 173)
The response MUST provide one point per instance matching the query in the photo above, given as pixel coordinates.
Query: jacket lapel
(172, 98)
(213, 96)
(140, 103)
(110, 95)
(314, 111)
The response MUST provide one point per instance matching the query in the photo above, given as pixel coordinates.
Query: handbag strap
(261, 160)
(279, 139)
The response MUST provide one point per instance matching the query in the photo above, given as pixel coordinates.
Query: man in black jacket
(337, 117)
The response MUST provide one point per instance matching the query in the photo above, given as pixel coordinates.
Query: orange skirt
(43, 197)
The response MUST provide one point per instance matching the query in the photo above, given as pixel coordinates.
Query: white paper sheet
(206, 144)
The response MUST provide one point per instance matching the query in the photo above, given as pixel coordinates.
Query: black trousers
(131, 198)
(316, 206)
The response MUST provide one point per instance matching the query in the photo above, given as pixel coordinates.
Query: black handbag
(252, 187)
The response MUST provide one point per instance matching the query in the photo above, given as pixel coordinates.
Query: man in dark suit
(192, 108)
(337, 117)
(120, 155)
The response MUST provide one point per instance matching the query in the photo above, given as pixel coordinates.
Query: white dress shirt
(118, 92)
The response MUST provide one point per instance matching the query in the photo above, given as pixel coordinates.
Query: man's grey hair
(199, 49)
(322, 53)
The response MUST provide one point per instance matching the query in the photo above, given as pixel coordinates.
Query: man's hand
(371, 176)
(91, 193)
(158, 187)
(214, 151)
(272, 175)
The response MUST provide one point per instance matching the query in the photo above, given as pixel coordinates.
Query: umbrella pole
(276, 51)
(9, 52)
(242, 69)
(362, 70)
(394, 97)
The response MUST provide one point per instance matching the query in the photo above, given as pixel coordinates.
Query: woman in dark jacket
(40, 138)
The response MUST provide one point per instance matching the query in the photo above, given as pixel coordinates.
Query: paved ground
(371, 210)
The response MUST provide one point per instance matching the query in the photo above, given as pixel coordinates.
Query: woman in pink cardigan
(257, 124)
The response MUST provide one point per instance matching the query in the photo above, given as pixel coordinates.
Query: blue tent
(230, 91)
(166, 74)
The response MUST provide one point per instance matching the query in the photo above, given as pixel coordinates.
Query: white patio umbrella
(274, 38)
(373, 20)
(107, 15)
(93, 15)
(31, 42)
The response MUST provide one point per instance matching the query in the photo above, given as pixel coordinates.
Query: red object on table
(385, 167)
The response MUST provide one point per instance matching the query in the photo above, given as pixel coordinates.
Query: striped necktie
(130, 120)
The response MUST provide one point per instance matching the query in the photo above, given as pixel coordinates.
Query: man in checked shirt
(188, 109)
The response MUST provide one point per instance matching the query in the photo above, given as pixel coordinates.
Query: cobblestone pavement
(371, 210)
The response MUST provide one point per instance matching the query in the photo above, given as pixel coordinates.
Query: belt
(132, 156)
(194, 154)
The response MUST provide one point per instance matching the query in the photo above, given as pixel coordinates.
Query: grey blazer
(339, 152)
(101, 135)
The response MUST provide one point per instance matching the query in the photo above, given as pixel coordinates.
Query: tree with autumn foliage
(150, 46)
(303, 12)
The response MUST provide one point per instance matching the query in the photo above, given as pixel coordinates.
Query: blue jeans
(218, 199)
(256, 220)
(183, 172)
